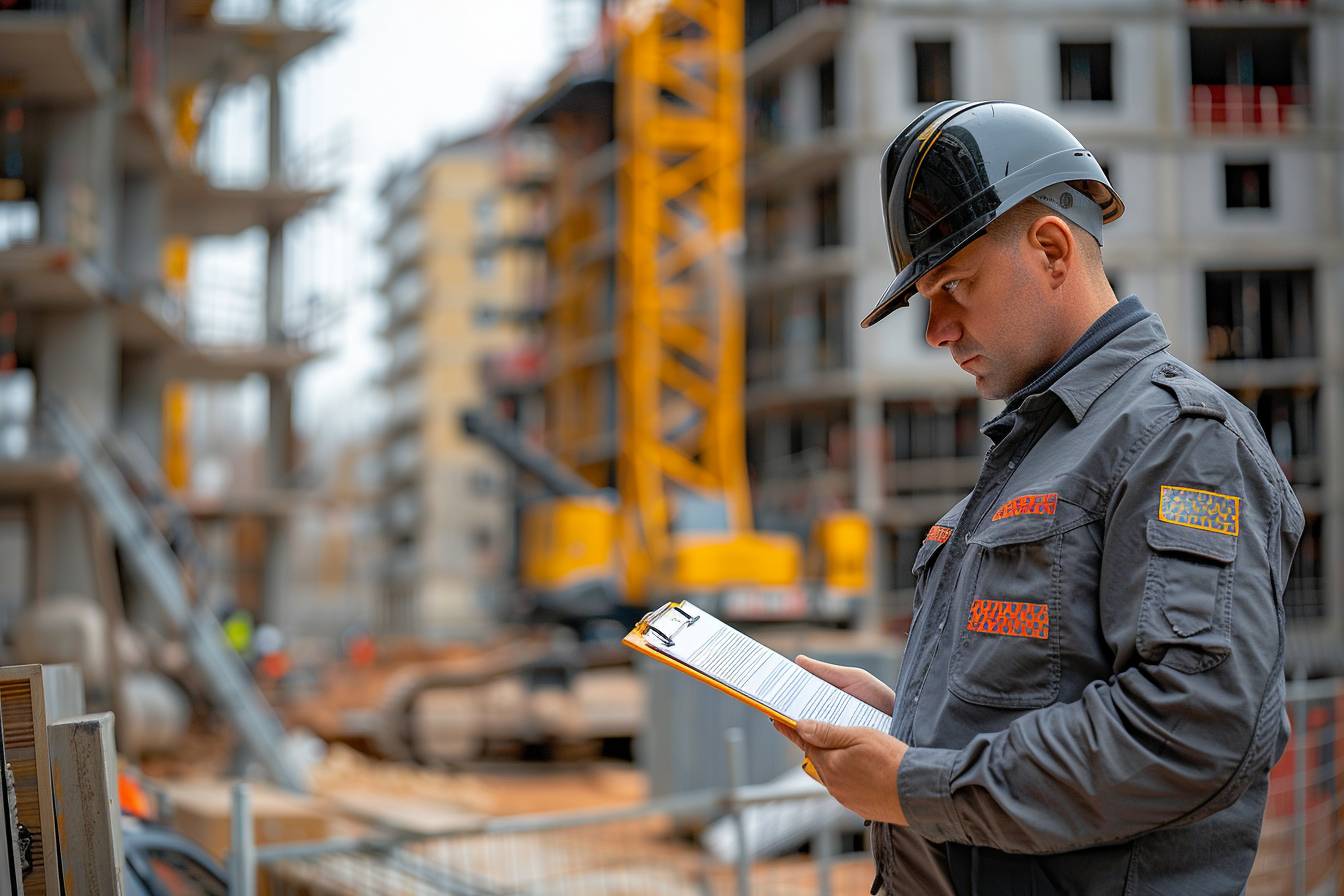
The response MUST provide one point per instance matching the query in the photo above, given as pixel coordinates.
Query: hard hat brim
(903, 287)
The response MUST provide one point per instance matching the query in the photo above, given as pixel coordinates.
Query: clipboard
(665, 623)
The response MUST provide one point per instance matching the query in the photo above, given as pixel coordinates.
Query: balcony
(56, 50)
(798, 270)
(208, 50)
(199, 207)
(1249, 77)
(151, 319)
(773, 166)
(1248, 109)
(48, 277)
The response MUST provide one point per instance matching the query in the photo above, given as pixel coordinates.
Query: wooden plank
(88, 809)
(23, 726)
(11, 867)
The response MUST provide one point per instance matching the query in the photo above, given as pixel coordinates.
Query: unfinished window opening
(826, 207)
(933, 71)
(1260, 315)
(1304, 596)
(1085, 73)
(1246, 185)
(1289, 418)
(827, 104)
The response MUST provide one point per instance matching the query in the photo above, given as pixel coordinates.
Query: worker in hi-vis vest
(1092, 694)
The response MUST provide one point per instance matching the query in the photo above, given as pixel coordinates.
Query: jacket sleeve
(1191, 579)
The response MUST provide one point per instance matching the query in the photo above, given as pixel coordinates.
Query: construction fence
(798, 840)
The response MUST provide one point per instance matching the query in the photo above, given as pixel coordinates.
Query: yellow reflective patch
(1199, 509)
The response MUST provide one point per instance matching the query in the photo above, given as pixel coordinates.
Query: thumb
(824, 735)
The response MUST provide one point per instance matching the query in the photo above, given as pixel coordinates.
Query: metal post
(1301, 753)
(823, 854)
(242, 845)
(737, 775)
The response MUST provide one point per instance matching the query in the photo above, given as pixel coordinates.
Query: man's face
(993, 312)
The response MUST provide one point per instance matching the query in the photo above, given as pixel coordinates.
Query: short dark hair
(1017, 219)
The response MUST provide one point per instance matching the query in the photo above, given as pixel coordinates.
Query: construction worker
(1092, 694)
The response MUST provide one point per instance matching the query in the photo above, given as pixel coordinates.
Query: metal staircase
(149, 554)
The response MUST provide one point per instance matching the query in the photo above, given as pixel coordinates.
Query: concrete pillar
(1330, 412)
(143, 378)
(141, 233)
(869, 495)
(77, 360)
(279, 401)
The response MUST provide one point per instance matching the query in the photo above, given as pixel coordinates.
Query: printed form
(723, 653)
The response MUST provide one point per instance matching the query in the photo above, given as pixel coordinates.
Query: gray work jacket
(1093, 688)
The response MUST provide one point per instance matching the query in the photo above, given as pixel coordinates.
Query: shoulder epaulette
(1196, 396)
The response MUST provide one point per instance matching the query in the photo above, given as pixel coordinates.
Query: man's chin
(984, 388)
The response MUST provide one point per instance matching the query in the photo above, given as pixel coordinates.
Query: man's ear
(1051, 240)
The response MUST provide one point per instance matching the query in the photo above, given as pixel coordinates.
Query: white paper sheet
(723, 653)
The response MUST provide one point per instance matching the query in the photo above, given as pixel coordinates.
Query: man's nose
(943, 328)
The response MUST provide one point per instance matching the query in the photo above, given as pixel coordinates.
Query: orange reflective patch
(1026, 504)
(1018, 619)
(938, 533)
(1199, 509)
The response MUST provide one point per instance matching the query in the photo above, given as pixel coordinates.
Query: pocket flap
(924, 556)
(1173, 538)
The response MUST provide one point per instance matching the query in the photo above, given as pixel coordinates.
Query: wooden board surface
(88, 808)
(23, 717)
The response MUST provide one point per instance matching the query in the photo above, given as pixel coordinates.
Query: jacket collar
(1096, 373)
(1085, 382)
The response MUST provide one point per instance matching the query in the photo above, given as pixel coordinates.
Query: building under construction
(109, 343)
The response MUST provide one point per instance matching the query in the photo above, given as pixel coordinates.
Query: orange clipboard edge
(635, 641)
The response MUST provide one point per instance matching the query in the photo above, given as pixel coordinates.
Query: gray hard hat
(960, 165)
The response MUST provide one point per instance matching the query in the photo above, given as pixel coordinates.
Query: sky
(404, 74)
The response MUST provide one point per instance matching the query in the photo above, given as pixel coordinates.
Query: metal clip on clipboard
(686, 621)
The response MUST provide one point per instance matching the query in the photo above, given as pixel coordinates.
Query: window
(826, 205)
(933, 71)
(485, 316)
(826, 101)
(1304, 596)
(1247, 185)
(1259, 56)
(486, 213)
(765, 113)
(1259, 314)
(832, 328)
(1085, 73)
(1290, 421)
(485, 265)
(920, 430)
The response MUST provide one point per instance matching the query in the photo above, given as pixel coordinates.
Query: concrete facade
(451, 282)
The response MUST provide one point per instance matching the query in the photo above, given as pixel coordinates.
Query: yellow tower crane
(681, 522)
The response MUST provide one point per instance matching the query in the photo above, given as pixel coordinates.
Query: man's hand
(853, 681)
(859, 766)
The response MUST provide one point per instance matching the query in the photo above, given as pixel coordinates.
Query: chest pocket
(1007, 650)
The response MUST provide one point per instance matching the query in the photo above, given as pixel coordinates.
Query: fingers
(830, 672)
(827, 737)
(791, 735)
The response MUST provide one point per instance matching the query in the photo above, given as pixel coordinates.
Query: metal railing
(629, 850)
(639, 850)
